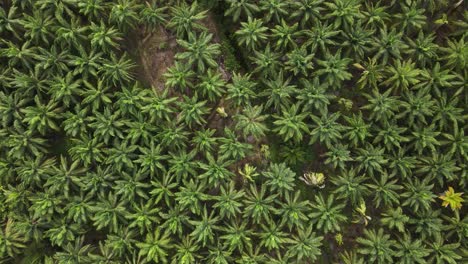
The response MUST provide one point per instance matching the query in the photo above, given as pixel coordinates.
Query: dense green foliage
(298, 131)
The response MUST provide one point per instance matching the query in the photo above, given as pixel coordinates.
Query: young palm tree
(307, 11)
(443, 252)
(395, 219)
(389, 44)
(272, 237)
(153, 15)
(108, 126)
(266, 62)
(251, 122)
(96, 96)
(92, 8)
(109, 212)
(251, 33)
(199, 52)
(38, 27)
(344, 13)
(382, 106)
(160, 107)
(89, 151)
(338, 156)
(190, 196)
(186, 251)
(280, 179)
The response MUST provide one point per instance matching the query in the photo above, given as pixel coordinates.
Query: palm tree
(358, 41)
(236, 236)
(38, 27)
(291, 125)
(389, 44)
(155, 247)
(259, 205)
(293, 211)
(190, 196)
(87, 63)
(125, 14)
(280, 179)
(104, 38)
(326, 215)
(314, 95)
(108, 126)
(215, 171)
(199, 52)
(377, 246)
(24, 55)
(179, 76)
(375, 14)
(251, 33)
(11, 105)
(173, 136)
(241, 90)
(186, 251)
(402, 75)
(286, 35)
(239, 7)
(321, 36)
(186, 19)
(299, 61)
(89, 151)
(74, 252)
(117, 71)
(204, 141)
(442, 252)
(92, 8)
(204, 229)
(96, 96)
(211, 85)
(372, 73)
(152, 158)
(371, 159)
(305, 245)
(229, 201)
(153, 15)
(418, 195)
(164, 188)
(338, 156)
(143, 216)
(274, 9)
(266, 61)
(390, 135)
(160, 107)
(65, 89)
(279, 91)
(121, 155)
(251, 122)
(21, 140)
(71, 34)
(183, 164)
(9, 22)
(344, 13)
(272, 236)
(385, 189)
(307, 11)
(395, 219)
(455, 56)
(192, 111)
(423, 49)
(12, 242)
(411, 17)
(42, 117)
(441, 167)
(231, 147)
(109, 212)
(382, 106)
(350, 186)
(326, 129)
(334, 69)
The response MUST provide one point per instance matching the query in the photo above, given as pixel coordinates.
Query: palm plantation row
(337, 136)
